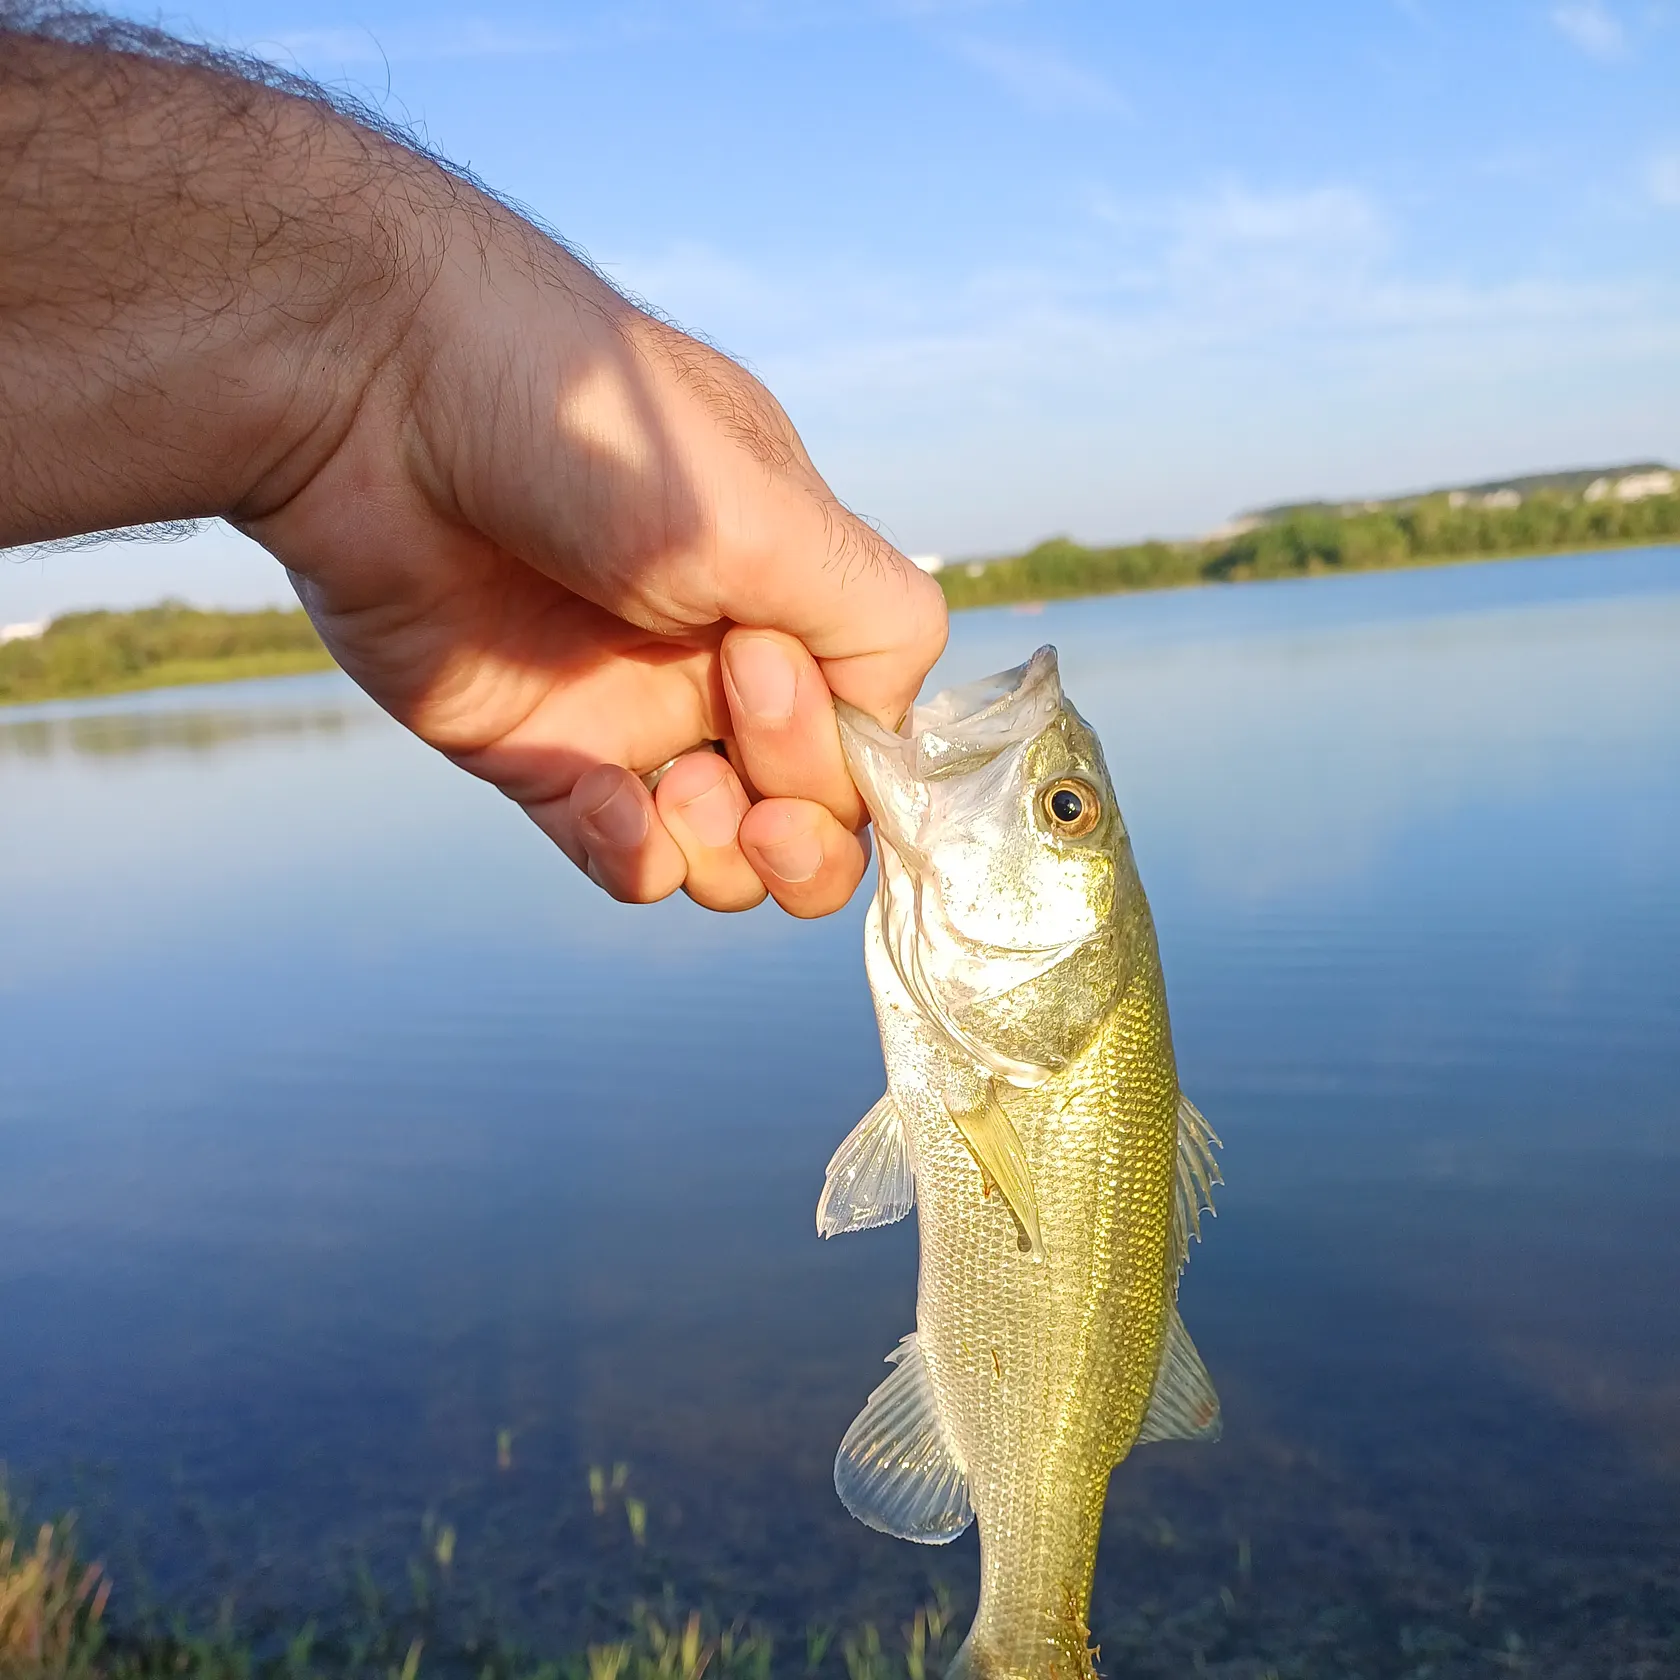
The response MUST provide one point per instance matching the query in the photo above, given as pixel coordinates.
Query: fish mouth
(960, 729)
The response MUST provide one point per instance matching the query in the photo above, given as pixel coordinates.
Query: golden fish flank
(1033, 1115)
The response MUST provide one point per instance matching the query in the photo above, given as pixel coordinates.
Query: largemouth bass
(1033, 1116)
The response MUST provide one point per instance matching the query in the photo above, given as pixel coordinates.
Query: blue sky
(1109, 269)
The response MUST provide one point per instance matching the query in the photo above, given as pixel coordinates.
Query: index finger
(784, 725)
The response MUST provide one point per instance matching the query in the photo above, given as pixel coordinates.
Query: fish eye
(1071, 807)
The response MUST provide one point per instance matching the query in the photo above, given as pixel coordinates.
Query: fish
(1034, 1122)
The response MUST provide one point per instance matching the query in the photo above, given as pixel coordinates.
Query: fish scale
(1033, 1100)
(1078, 1338)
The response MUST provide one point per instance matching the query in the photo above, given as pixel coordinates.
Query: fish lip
(959, 729)
(1034, 674)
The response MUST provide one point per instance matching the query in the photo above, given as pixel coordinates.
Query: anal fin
(898, 1470)
(869, 1181)
(996, 1147)
(1182, 1406)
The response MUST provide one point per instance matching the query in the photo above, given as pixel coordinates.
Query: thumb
(874, 622)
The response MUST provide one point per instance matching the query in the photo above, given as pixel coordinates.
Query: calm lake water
(343, 1128)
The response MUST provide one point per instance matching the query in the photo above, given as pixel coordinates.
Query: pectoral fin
(898, 1469)
(1182, 1406)
(869, 1180)
(1197, 1174)
(996, 1147)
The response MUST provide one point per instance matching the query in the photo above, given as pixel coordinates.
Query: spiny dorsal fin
(898, 1469)
(996, 1147)
(1198, 1172)
(1183, 1406)
(869, 1180)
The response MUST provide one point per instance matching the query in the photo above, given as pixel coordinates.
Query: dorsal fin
(869, 1181)
(898, 1469)
(1197, 1173)
(1182, 1405)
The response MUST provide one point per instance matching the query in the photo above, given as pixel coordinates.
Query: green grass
(54, 1626)
(157, 647)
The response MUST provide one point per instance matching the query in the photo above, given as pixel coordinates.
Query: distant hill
(1575, 481)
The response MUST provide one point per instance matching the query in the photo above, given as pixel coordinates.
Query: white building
(32, 631)
(927, 562)
(1634, 487)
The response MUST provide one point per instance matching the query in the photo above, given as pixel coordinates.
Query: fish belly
(1043, 1371)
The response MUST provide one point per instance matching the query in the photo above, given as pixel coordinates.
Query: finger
(810, 863)
(701, 803)
(625, 847)
(784, 723)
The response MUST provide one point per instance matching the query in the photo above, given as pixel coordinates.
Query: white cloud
(1662, 177)
(1039, 78)
(1168, 362)
(1592, 27)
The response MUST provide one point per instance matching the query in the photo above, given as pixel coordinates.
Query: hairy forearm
(198, 275)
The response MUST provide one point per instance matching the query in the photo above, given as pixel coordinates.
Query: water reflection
(177, 721)
(343, 1129)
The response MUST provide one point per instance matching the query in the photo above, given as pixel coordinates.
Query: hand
(566, 544)
(559, 540)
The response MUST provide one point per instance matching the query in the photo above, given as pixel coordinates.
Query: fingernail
(619, 819)
(794, 859)
(763, 678)
(712, 817)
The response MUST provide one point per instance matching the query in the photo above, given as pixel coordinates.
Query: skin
(559, 540)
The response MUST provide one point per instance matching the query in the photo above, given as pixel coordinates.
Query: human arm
(555, 537)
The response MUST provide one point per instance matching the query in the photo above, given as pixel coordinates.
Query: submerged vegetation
(156, 647)
(51, 1605)
(1298, 542)
(54, 1626)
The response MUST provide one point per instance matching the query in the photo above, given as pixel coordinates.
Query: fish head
(1005, 869)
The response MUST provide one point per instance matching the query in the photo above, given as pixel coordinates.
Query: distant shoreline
(1434, 530)
(88, 655)
(107, 651)
(1416, 563)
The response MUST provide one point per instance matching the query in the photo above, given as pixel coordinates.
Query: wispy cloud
(1592, 27)
(1662, 178)
(1294, 322)
(1041, 79)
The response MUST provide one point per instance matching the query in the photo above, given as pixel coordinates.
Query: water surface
(343, 1128)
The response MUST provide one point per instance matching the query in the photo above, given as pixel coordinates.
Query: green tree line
(169, 644)
(1317, 541)
(156, 647)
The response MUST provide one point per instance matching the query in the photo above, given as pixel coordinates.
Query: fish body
(1034, 1118)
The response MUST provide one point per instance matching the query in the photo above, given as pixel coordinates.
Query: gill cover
(1003, 932)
